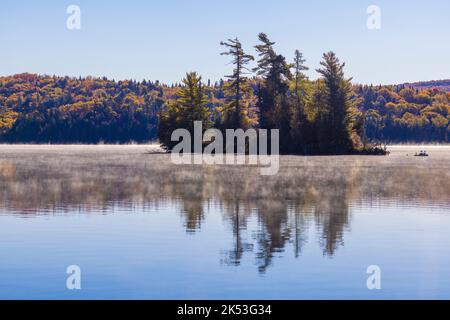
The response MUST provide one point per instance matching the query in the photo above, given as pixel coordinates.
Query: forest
(329, 115)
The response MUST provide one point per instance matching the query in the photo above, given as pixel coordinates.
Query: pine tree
(299, 67)
(275, 111)
(337, 114)
(190, 106)
(236, 111)
(298, 121)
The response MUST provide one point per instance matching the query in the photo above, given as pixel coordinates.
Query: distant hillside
(39, 108)
(442, 85)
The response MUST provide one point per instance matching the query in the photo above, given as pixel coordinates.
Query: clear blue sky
(164, 39)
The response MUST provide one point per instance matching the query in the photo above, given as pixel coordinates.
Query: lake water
(140, 227)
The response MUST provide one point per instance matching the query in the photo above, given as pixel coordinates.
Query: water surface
(142, 228)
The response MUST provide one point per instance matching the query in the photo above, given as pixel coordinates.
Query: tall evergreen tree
(299, 76)
(190, 106)
(273, 103)
(236, 111)
(337, 114)
(298, 120)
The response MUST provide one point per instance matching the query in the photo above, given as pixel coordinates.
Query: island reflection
(317, 191)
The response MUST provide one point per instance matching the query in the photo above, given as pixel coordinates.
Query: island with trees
(329, 115)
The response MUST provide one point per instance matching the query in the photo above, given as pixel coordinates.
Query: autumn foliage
(42, 109)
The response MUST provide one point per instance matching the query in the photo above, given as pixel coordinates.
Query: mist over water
(141, 227)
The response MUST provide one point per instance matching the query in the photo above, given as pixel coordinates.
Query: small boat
(421, 154)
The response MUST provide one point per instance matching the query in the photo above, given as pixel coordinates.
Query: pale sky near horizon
(162, 40)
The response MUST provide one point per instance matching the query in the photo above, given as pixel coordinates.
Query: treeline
(405, 114)
(441, 84)
(324, 116)
(90, 110)
(42, 109)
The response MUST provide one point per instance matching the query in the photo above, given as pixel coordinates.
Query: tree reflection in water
(307, 191)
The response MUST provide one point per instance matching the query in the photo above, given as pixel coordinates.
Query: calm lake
(140, 227)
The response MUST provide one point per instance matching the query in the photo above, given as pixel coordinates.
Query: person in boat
(422, 153)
